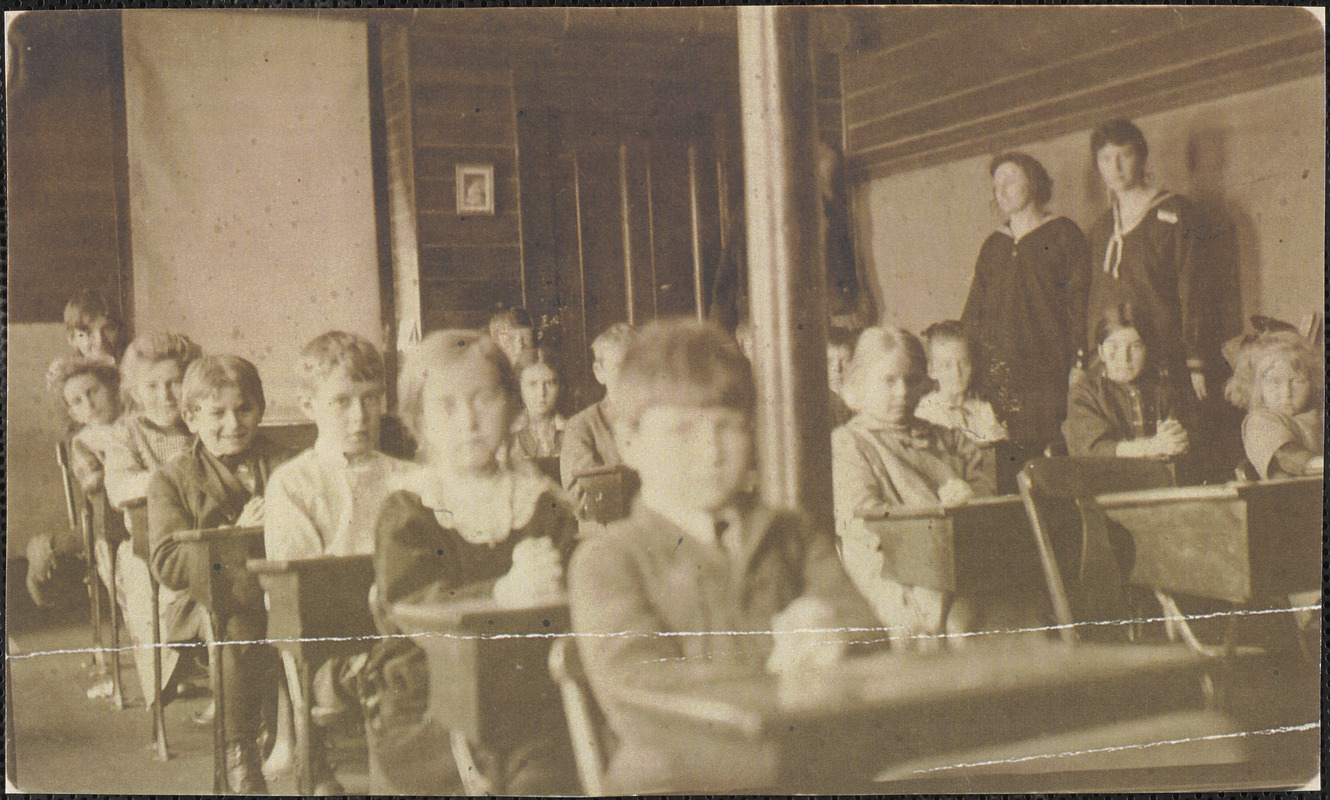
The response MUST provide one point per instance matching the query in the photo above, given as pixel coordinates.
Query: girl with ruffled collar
(472, 523)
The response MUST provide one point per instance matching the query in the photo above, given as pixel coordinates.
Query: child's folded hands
(536, 574)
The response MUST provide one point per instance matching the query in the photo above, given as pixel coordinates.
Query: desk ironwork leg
(215, 633)
(117, 690)
(298, 685)
(474, 783)
(94, 591)
(158, 715)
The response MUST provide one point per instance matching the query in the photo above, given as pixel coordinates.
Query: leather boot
(244, 769)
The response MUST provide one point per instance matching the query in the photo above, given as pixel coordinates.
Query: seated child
(93, 327)
(474, 525)
(748, 587)
(219, 482)
(325, 500)
(840, 348)
(538, 430)
(86, 390)
(886, 457)
(148, 435)
(951, 405)
(1277, 380)
(1123, 406)
(512, 331)
(588, 439)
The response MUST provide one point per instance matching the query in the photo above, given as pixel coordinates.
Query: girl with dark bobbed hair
(1025, 313)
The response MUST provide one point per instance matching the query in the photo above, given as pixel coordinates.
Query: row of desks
(488, 663)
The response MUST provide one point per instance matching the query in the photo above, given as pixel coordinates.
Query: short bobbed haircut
(443, 352)
(64, 370)
(150, 349)
(1041, 184)
(1122, 133)
(509, 319)
(874, 346)
(679, 361)
(1285, 345)
(617, 335)
(1117, 317)
(339, 351)
(87, 306)
(208, 375)
(950, 330)
(531, 358)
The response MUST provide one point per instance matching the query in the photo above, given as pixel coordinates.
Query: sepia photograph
(754, 400)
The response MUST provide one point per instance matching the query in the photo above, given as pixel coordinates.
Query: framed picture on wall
(475, 189)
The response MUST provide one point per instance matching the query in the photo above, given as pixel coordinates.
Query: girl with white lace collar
(471, 524)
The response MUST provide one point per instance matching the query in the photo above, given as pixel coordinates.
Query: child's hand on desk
(1315, 465)
(252, 514)
(954, 492)
(534, 577)
(807, 638)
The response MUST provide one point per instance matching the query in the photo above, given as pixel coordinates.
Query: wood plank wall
(67, 174)
(929, 85)
(462, 112)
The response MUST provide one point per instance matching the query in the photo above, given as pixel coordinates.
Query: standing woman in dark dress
(1026, 308)
(1148, 251)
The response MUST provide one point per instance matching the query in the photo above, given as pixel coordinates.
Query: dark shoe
(244, 771)
(322, 779)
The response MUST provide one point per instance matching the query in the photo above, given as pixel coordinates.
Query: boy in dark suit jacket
(219, 482)
(735, 587)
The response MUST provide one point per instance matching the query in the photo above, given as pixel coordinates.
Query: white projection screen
(251, 195)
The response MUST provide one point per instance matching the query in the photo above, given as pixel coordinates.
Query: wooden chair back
(586, 725)
(1083, 562)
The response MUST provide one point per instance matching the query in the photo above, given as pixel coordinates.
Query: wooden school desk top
(981, 547)
(319, 605)
(1233, 542)
(836, 731)
(488, 664)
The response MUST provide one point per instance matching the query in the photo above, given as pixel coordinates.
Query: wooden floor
(67, 743)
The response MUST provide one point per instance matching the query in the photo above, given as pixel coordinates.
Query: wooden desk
(487, 663)
(609, 491)
(836, 733)
(980, 548)
(318, 608)
(1235, 542)
(220, 582)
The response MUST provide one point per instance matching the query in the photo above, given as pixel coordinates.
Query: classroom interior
(257, 177)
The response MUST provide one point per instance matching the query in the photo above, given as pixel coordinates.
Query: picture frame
(475, 189)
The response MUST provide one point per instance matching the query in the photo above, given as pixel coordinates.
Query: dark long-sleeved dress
(420, 560)
(1158, 266)
(1026, 317)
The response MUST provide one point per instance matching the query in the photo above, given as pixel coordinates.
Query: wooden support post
(786, 272)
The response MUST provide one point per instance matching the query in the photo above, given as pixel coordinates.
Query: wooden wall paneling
(957, 90)
(673, 217)
(600, 218)
(636, 209)
(1174, 57)
(67, 179)
(463, 111)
